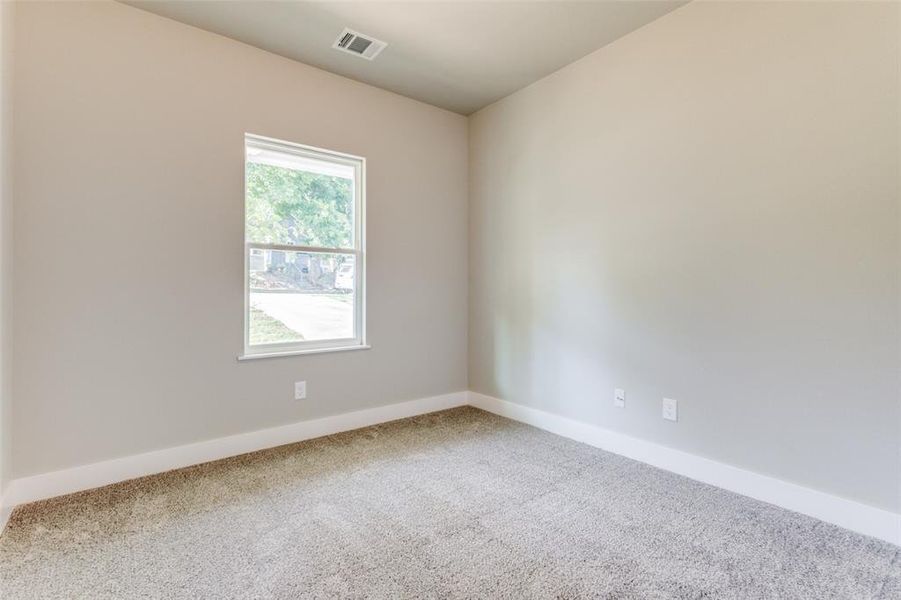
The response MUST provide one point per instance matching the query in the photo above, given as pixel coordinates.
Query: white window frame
(358, 341)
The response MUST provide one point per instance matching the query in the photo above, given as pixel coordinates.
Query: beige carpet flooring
(457, 504)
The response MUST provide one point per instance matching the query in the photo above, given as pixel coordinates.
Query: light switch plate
(619, 398)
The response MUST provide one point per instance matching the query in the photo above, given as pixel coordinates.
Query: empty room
(450, 299)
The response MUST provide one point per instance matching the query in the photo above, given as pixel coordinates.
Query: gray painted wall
(708, 210)
(129, 236)
(7, 10)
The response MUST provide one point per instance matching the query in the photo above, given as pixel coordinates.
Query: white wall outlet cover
(619, 398)
(300, 390)
(670, 409)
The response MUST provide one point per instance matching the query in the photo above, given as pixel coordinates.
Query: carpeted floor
(457, 504)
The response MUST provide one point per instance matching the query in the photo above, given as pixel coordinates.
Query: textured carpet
(457, 504)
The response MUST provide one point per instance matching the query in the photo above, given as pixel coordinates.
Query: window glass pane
(298, 201)
(300, 296)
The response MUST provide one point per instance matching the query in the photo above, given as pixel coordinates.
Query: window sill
(244, 357)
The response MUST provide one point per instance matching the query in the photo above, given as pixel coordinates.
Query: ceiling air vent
(358, 44)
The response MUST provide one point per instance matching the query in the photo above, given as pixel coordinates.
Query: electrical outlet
(300, 390)
(619, 398)
(670, 409)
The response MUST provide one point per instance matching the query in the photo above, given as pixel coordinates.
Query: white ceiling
(457, 55)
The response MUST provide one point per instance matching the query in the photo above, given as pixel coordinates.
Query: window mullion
(292, 248)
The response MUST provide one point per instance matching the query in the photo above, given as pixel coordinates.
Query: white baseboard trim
(76, 479)
(849, 514)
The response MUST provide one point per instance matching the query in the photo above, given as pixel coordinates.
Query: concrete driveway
(314, 316)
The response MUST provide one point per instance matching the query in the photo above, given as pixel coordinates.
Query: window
(304, 252)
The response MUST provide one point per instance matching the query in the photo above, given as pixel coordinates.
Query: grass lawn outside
(266, 330)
